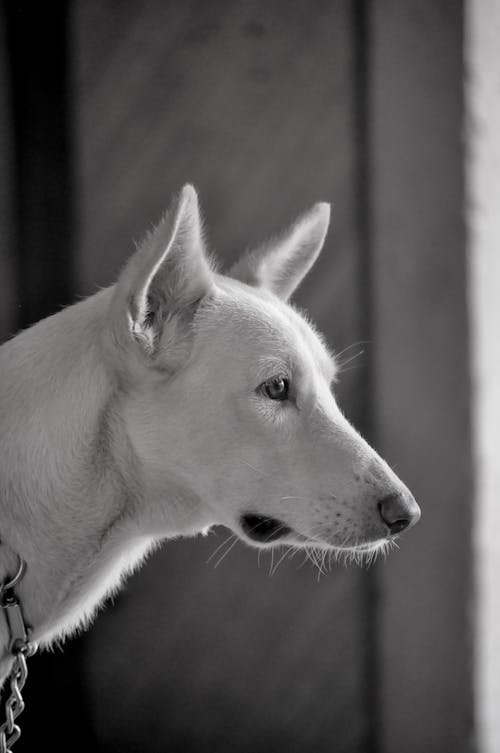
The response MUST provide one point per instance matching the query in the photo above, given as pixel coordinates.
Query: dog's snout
(398, 512)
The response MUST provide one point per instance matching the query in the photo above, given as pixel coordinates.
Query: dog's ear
(281, 264)
(165, 280)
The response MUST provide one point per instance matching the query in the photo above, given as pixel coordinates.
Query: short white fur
(135, 416)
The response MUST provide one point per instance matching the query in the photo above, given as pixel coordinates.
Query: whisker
(319, 562)
(343, 364)
(350, 368)
(306, 557)
(346, 552)
(287, 550)
(226, 552)
(323, 561)
(272, 562)
(259, 552)
(352, 345)
(220, 547)
(245, 462)
(312, 556)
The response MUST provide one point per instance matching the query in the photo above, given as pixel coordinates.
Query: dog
(175, 400)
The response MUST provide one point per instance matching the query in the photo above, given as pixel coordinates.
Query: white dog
(174, 400)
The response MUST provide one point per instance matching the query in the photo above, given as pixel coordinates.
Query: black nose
(398, 512)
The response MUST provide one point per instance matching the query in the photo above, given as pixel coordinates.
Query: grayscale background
(106, 108)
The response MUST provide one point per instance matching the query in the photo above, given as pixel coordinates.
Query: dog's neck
(70, 484)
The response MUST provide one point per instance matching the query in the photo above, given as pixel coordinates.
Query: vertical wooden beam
(482, 29)
(7, 275)
(41, 229)
(361, 39)
(37, 51)
(422, 386)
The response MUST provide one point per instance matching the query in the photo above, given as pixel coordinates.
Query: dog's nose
(398, 512)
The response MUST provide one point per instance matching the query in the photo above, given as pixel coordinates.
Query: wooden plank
(42, 184)
(253, 102)
(422, 385)
(7, 273)
(482, 28)
(36, 275)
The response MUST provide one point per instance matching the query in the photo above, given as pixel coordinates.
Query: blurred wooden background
(106, 109)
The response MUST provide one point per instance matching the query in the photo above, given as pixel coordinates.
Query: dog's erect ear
(167, 277)
(281, 264)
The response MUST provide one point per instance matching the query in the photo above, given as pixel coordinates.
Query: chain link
(21, 649)
(10, 732)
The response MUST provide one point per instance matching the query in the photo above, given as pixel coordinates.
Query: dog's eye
(276, 388)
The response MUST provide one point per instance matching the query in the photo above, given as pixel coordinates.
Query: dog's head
(227, 396)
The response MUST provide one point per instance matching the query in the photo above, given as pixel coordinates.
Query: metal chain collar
(20, 648)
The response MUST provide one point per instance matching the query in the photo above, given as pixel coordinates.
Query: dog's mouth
(262, 529)
(265, 530)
